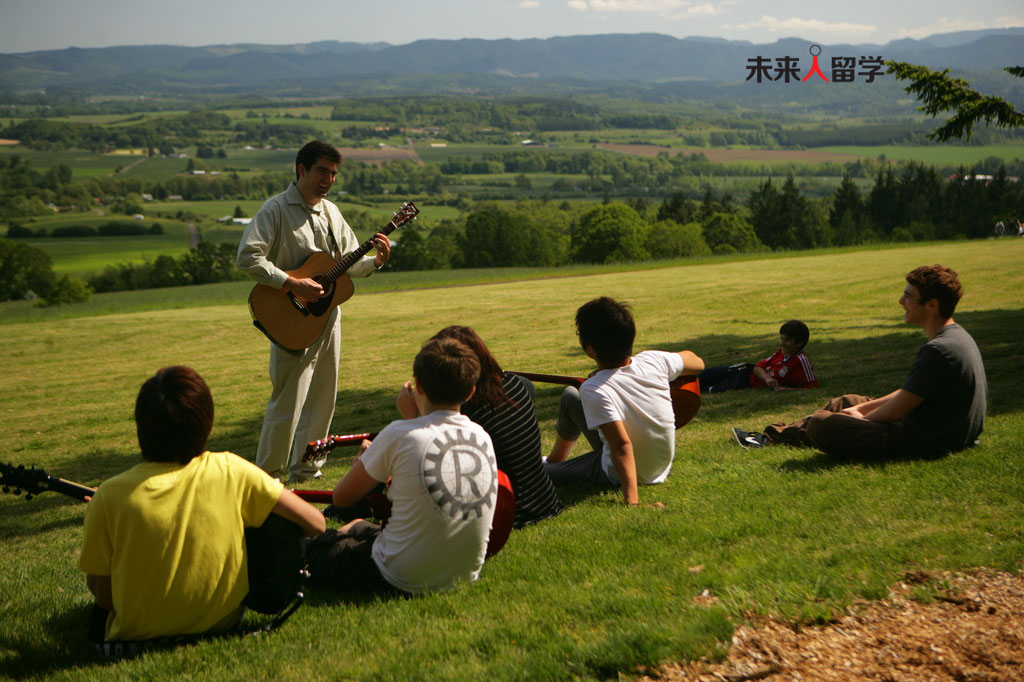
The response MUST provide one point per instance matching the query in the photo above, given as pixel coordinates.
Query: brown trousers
(842, 435)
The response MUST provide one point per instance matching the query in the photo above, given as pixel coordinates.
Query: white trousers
(301, 406)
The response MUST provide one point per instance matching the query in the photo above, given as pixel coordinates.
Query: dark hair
(173, 415)
(489, 387)
(313, 150)
(608, 326)
(940, 283)
(446, 370)
(796, 330)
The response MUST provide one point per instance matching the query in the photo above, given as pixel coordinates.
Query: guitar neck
(320, 448)
(409, 211)
(351, 258)
(70, 488)
(551, 378)
(32, 481)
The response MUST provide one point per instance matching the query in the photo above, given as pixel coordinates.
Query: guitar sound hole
(322, 304)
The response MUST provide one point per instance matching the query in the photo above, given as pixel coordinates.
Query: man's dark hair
(796, 330)
(173, 415)
(607, 326)
(938, 282)
(313, 150)
(447, 370)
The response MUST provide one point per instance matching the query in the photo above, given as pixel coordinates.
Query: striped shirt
(516, 436)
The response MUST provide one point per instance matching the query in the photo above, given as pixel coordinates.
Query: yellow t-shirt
(171, 537)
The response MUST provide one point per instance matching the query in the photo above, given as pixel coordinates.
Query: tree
(23, 269)
(496, 236)
(239, 213)
(941, 92)
(26, 270)
(729, 233)
(766, 215)
(610, 233)
(678, 208)
(669, 239)
(847, 201)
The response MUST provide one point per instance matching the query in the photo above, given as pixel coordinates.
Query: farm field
(600, 590)
(86, 255)
(952, 155)
(723, 155)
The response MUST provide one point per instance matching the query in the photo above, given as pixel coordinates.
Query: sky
(32, 25)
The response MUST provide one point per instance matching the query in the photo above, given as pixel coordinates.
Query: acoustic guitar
(294, 322)
(684, 392)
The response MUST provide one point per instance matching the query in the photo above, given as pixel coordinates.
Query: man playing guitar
(287, 230)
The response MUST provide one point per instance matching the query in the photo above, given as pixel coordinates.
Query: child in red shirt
(786, 369)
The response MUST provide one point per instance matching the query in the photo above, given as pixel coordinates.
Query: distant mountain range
(624, 58)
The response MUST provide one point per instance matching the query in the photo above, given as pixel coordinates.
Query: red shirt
(793, 371)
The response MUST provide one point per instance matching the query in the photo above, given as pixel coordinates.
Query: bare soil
(973, 631)
(380, 155)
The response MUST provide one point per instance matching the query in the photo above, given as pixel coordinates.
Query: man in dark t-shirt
(939, 409)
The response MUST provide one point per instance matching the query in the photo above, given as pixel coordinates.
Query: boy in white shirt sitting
(443, 489)
(626, 400)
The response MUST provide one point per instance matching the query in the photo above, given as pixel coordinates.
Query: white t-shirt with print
(444, 483)
(638, 396)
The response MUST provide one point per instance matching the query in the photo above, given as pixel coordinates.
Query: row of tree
(206, 263)
(914, 205)
(111, 228)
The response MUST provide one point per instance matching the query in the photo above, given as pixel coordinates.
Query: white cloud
(669, 8)
(950, 25)
(807, 28)
(529, 4)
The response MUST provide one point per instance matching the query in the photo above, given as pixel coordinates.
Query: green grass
(81, 256)
(602, 588)
(952, 155)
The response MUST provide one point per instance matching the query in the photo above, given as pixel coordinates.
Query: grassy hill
(602, 588)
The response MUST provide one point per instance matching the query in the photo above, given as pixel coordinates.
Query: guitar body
(291, 321)
(685, 394)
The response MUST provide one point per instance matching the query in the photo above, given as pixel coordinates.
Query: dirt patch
(972, 632)
(380, 155)
(733, 155)
(4, 141)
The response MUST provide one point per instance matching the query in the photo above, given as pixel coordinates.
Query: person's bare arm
(897, 407)
(295, 509)
(861, 410)
(406, 402)
(770, 382)
(692, 363)
(621, 448)
(353, 486)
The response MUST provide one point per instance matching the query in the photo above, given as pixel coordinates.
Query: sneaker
(303, 476)
(749, 439)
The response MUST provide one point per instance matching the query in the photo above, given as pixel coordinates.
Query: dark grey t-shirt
(948, 373)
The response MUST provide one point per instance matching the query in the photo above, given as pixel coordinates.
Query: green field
(601, 589)
(940, 155)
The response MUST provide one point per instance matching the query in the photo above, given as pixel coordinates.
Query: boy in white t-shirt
(443, 489)
(626, 400)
